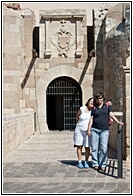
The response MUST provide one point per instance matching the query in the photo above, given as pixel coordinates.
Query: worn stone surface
(46, 163)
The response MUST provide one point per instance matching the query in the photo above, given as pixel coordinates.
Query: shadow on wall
(28, 73)
(84, 70)
(35, 53)
(91, 51)
(98, 72)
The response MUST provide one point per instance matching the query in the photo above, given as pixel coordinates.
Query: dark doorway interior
(64, 97)
(55, 112)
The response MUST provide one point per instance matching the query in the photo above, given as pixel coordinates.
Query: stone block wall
(99, 36)
(116, 83)
(113, 135)
(17, 59)
(17, 46)
(13, 52)
(125, 70)
(16, 129)
(115, 46)
(28, 79)
(111, 43)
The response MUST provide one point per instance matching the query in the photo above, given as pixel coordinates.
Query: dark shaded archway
(64, 97)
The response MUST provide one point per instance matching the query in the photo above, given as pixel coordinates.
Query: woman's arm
(115, 119)
(89, 126)
(77, 116)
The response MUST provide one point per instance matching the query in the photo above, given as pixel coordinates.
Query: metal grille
(70, 112)
(71, 94)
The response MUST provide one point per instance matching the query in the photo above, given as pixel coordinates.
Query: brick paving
(46, 163)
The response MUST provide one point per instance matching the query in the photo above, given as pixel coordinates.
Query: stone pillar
(78, 52)
(41, 38)
(127, 108)
(125, 70)
(47, 52)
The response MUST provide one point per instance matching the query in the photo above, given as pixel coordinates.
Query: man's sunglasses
(99, 98)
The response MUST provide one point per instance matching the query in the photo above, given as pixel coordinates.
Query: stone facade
(35, 56)
(63, 52)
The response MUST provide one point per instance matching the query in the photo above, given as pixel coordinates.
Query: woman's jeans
(99, 147)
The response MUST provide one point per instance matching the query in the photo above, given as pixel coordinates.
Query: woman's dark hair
(88, 101)
(98, 95)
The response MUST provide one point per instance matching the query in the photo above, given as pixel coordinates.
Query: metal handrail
(120, 152)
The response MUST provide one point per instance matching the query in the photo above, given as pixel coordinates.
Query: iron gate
(66, 98)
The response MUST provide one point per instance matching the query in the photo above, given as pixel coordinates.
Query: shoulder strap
(107, 104)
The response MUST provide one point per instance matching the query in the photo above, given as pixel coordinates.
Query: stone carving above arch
(63, 40)
(62, 33)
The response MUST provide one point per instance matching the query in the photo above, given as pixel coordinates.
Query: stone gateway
(51, 69)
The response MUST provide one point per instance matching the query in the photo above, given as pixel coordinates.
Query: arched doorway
(64, 97)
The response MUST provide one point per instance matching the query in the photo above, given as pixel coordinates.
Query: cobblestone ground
(46, 163)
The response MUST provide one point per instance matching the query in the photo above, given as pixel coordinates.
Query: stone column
(78, 52)
(127, 111)
(126, 106)
(42, 38)
(47, 52)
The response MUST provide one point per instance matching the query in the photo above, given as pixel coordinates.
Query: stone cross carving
(63, 22)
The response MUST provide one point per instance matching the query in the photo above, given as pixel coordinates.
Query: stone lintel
(79, 17)
(63, 11)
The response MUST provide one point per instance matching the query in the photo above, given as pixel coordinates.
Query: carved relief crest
(63, 42)
(63, 39)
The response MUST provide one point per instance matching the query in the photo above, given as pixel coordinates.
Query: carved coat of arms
(63, 43)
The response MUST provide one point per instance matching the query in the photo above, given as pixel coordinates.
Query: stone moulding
(65, 37)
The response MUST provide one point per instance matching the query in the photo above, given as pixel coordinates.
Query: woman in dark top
(99, 130)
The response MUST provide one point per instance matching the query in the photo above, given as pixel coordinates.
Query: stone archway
(44, 81)
(63, 98)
